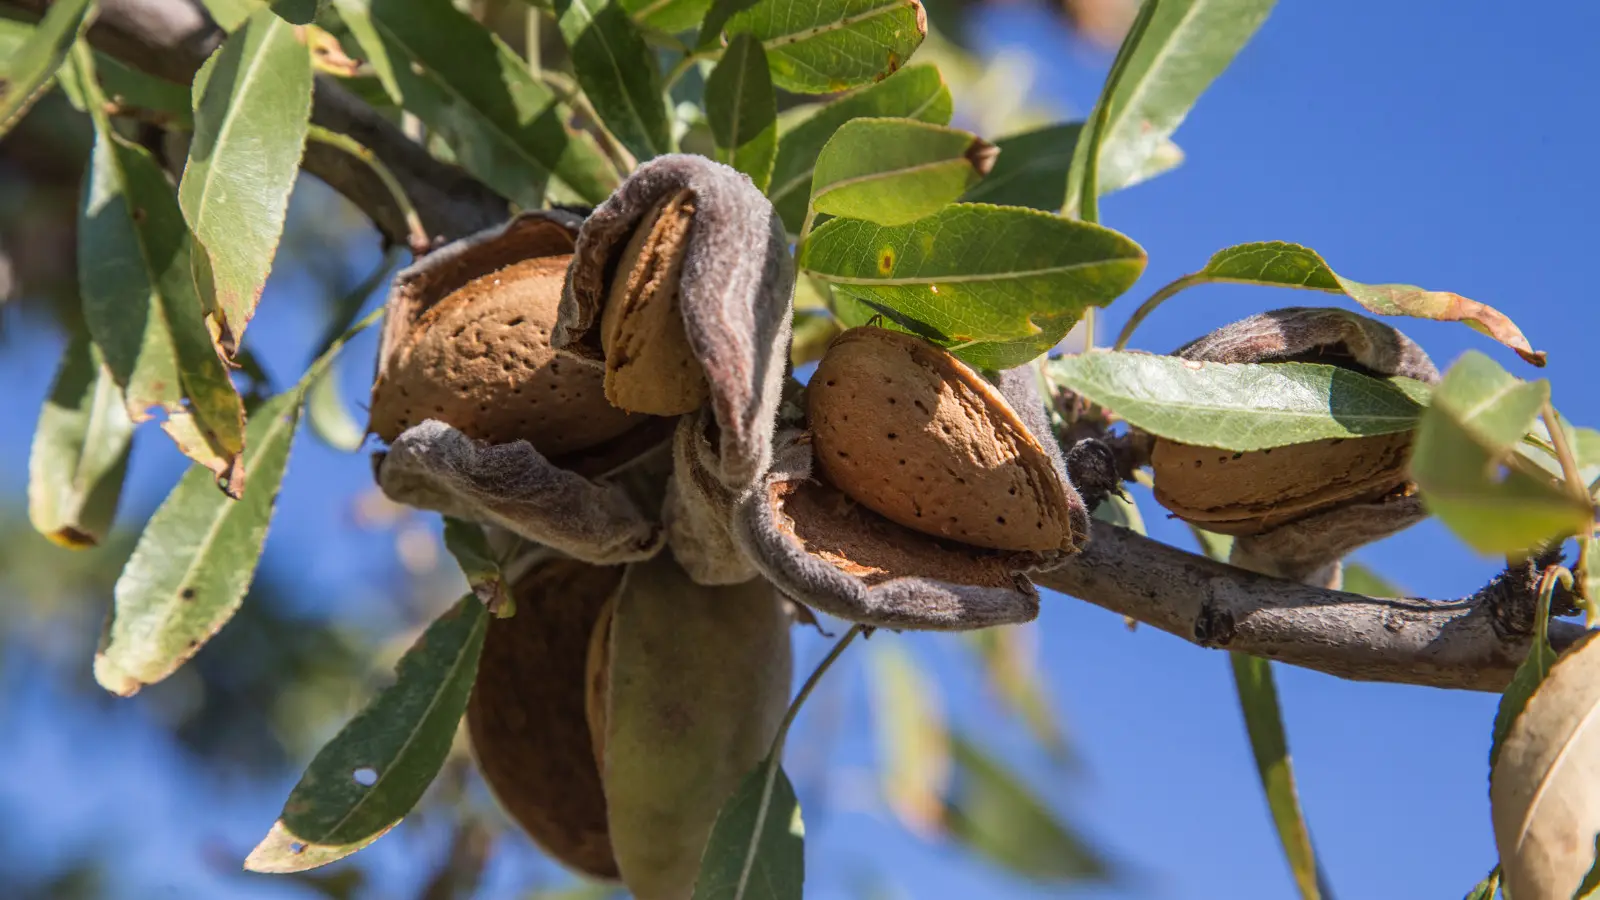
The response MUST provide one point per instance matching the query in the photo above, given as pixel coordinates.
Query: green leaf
(992, 813)
(743, 111)
(375, 770)
(913, 746)
(195, 560)
(80, 451)
(895, 171)
(1585, 443)
(915, 92)
(231, 14)
(1121, 512)
(617, 72)
(1487, 888)
(26, 73)
(1032, 168)
(1010, 658)
(298, 12)
(503, 125)
(757, 846)
(1479, 411)
(1590, 886)
(140, 303)
(1358, 578)
(825, 46)
(998, 285)
(670, 16)
(252, 106)
(467, 543)
(330, 418)
(1239, 406)
(1170, 56)
(1263, 719)
(1291, 265)
(1531, 673)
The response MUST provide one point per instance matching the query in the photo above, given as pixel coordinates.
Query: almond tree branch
(1474, 643)
(171, 38)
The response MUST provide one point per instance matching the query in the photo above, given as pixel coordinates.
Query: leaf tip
(981, 154)
(114, 678)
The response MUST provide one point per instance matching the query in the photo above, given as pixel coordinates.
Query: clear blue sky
(1446, 144)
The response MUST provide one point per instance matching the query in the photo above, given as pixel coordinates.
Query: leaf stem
(805, 229)
(416, 234)
(1089, 186)
(808, 687)
(682, 69)
(531, 38)
(1573, 479)
(1156, 299)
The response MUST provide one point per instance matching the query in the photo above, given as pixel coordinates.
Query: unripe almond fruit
(480, 360)
(1256, 491)
(913, 434)
(650, 367)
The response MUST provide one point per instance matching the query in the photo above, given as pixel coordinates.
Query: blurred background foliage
(230, 732)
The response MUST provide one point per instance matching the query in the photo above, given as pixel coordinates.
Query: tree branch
(171, 38)
(1474, 643)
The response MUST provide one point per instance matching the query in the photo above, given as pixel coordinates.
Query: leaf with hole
(252, 105)
(617, 72)
(80, 451)
(1166, 62)
(140, 305)
(1290, 265)
(27, 71)
(1240, 406)
(915, 92)
(742, 110)
(997, 285)
(1032, 168)
(1478, 413)
(377, 767)
(195, 560)
(1544, 790)
(825, 46)
(757, 846)
(501, 123)
(895, 171)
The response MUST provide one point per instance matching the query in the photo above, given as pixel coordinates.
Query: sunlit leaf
(330, 417)
(1478, 412)
(80, 451)
(915, 92)
(617, 72)
(894, 171)
(671, 16)
(252, 107)
(1010, 658)
(26, 72)
(139, 298)
(195, 560)
(1121, 512)
(757, 846)
(1032, 168)
(503, 125)
(1291, 265)
(827, 45)
(1263, 719)
(1240, 406)
(376, 768)
(993, 813)
(1167, 61)
(1544, 792)
(998, 285)
(913, 746)
(743, 110)
(467, 543)
(1487, 888)
(1359, 578)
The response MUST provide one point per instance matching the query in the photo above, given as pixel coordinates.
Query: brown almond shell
(735, 292)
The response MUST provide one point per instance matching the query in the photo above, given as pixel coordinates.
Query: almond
(480, 360)
(1254, 492)
(650, 367)
(912, 433)
(527, 715)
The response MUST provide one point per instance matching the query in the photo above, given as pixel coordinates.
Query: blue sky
(1442, 144)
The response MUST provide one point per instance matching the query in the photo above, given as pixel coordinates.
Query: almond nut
(912, 433)
(650, 367)
(480, 360)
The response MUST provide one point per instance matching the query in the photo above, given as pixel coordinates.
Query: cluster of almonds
(612, 389)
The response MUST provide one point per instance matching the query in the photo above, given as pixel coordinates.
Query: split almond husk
(486, 421)
(698, 511)
(1298, 509)
(829, 549)
(913, 434)
(649, 365)
(681, 288)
